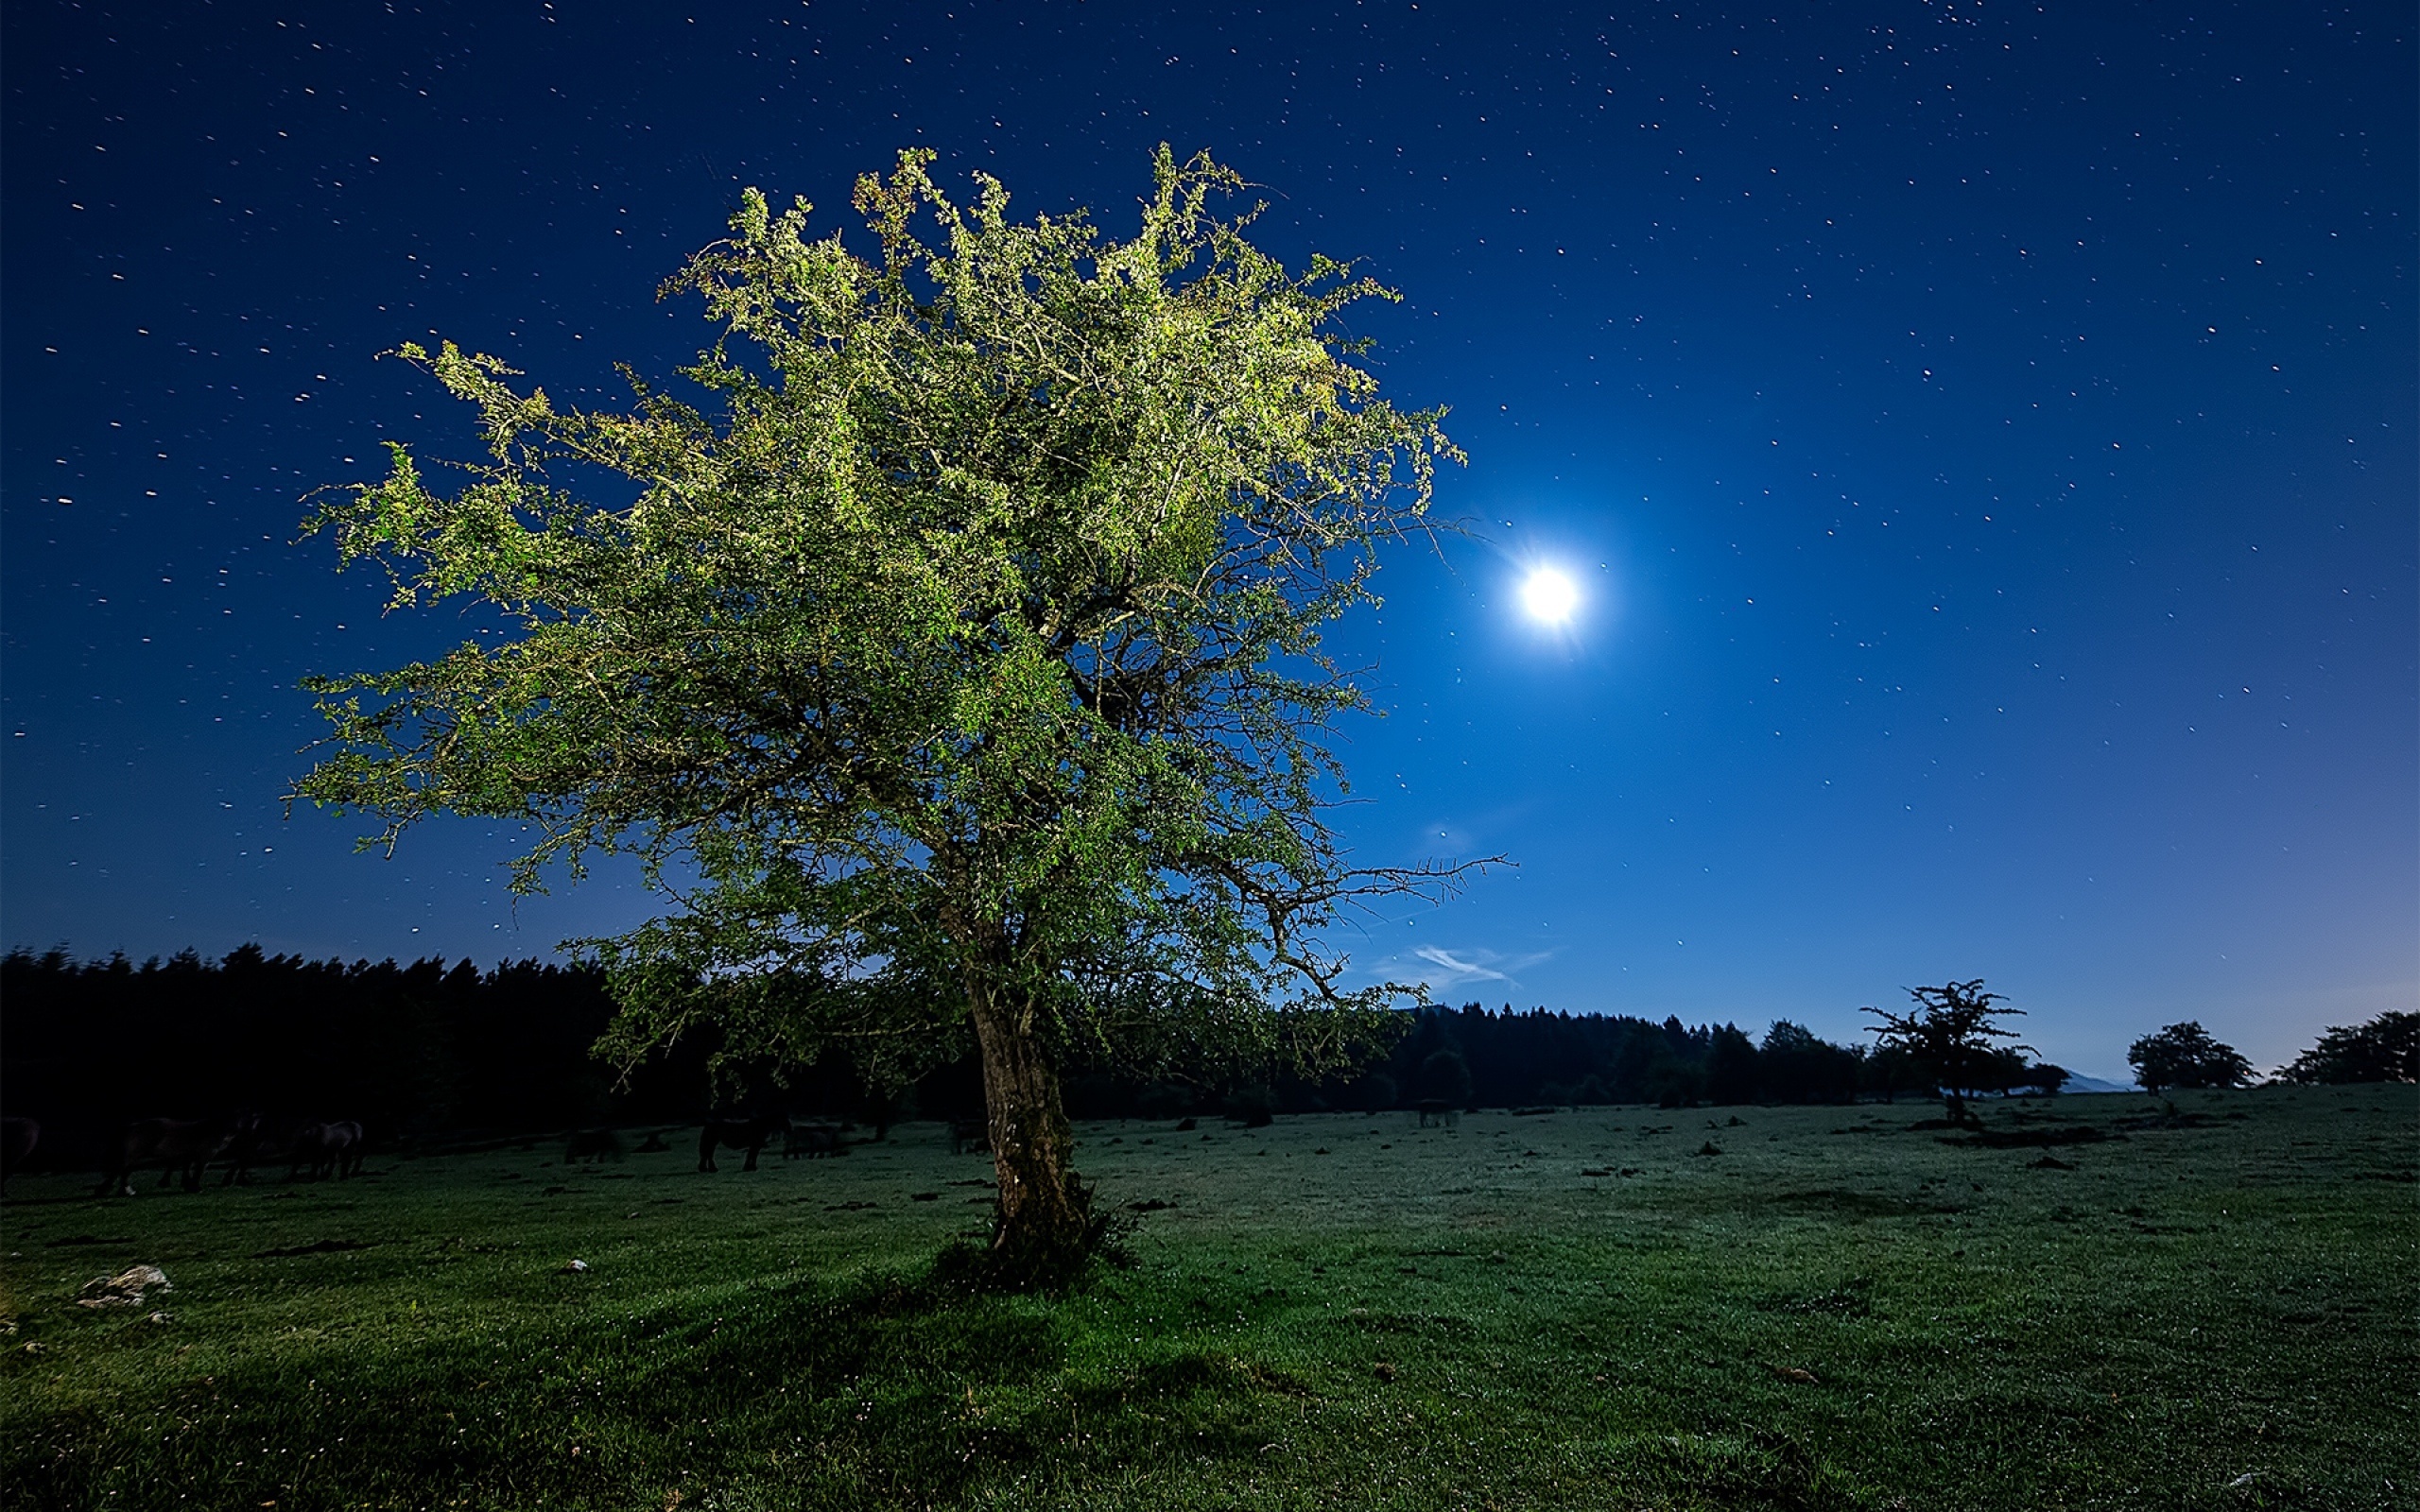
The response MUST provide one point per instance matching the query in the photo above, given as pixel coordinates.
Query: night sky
(1983, 435)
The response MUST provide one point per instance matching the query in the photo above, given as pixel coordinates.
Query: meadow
(2102, 1301)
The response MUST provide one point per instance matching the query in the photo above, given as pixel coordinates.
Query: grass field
(2209, 1306)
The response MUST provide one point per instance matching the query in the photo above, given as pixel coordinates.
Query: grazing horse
(184, 1146)
(327, 1148)
(304, 1151)
(247, 1137)
(748, 1134)
(18, 1137)
(348, 1146)
(813, 1139)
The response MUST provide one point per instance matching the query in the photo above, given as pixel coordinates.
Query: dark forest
(428, 1052)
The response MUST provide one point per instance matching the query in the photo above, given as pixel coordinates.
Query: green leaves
(973, 636)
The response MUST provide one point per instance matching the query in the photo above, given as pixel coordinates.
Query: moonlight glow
(1550, 596)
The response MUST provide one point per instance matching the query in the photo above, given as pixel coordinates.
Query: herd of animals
(808, 1136)
(189, 1148)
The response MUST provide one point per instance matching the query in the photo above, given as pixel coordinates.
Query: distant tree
(1948, 1037)
(2385, 1049)
(1252, 1105)
(1730, 1067)
(1887, 1071)
(2005, 1072)
(1675, 1084)
(1161, 1099)
(1635, 1062)
(2183, 1055)
(962, 663)
(2047, 1079)
(1445, 1078)
(1795, 1065)
(1375, 1093)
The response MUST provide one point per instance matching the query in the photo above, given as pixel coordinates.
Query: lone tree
(959, 675)
(2183, 1055)
(1949, 1038)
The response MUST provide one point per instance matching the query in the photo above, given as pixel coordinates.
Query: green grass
(2212, 1311)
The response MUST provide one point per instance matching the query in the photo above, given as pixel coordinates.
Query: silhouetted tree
(1949, 1037)
(1252, 1105)
(2045, 1079)
(2183, 1055)
(1730, 1067)
(1887, 1071)
(1445, 1078)
(2385, 1049)
(1375, 1092)
(1795, 1066)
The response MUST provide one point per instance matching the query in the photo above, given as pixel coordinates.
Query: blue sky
(1982, 435)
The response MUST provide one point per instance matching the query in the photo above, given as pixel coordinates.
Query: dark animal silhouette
(969, 1134)
(178, 1146)
(593, 1144)
(813, 1139)
(247, 1137)
(303, 1151)
(329, 1149)
(18, 1137)
(348, 1145)
(748, 1134)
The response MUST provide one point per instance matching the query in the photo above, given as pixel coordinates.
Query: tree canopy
(1949, 1036)
(955, 665)
(2183, 1055)
(2385, 1049)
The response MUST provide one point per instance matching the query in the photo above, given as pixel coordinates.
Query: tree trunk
(1044, 1224)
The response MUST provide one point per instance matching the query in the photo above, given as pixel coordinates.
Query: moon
(1550, 596)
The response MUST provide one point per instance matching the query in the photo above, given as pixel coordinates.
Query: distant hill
(2094, 1084)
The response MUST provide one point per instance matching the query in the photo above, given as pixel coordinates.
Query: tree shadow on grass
(877, 1392)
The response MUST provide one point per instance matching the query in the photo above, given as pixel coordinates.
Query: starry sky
(1982, 434)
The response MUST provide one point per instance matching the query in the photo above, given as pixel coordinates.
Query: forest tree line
(432, 1051)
